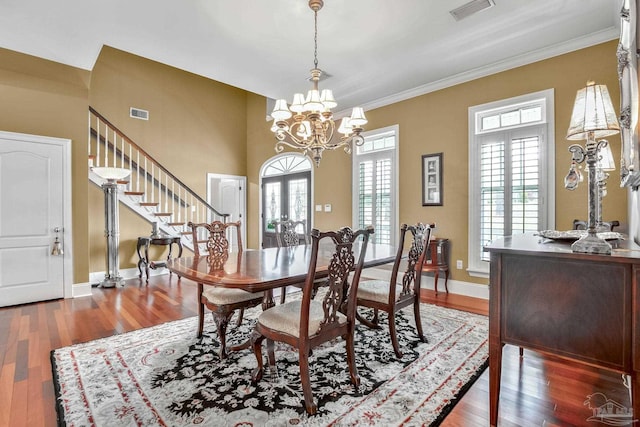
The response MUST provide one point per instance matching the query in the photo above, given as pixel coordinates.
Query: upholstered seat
(286, 318)
(222, 302)
(307, 323)
(376, 290)
(392, 295)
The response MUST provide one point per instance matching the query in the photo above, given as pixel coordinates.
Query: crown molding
(516, 61)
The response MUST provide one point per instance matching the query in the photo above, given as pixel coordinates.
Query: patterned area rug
(165, 376)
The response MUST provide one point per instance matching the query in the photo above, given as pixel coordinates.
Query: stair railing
(171, 201)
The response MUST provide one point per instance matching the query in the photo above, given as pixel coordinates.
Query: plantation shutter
(510, 177)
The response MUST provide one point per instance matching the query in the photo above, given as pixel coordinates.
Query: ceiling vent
(468, 9)
(137, 113)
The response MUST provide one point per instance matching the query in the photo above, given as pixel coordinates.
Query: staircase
(151, 190)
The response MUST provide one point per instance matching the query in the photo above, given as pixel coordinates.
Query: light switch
(327, 207)
(318, 208)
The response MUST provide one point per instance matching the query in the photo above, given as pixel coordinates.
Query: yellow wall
(42, 97)
(196, 126)
(437, 122)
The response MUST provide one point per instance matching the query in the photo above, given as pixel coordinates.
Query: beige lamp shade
(593, 112)
(606, 162)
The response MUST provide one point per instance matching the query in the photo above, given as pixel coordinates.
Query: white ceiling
(376, 51)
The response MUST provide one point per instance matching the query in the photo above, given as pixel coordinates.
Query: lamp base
(591, 244)
(112, 282)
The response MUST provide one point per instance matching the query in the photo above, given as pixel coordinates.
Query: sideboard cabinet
(582, 307)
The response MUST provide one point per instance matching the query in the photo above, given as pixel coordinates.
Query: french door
(284, 197)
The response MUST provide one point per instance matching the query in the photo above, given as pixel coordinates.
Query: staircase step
(175, 224)
(134, 193)
(163, 214)
(123, 182)
(148, 203)
(186, 233)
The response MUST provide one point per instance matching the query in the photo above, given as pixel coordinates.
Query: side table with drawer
(145, 242)
(438, 261)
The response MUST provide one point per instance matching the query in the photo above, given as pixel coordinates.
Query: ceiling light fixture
(307, 124)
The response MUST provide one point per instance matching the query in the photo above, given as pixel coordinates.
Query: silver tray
(576, 234)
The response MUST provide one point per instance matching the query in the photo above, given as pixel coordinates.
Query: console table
(145, 242)
(583, 307)
(438, 260)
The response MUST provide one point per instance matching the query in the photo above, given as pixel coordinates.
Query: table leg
(169, 257)
(495, 370)
(140, 260)
(200, 310)
(146, 257)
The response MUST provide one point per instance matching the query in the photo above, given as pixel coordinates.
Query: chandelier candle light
(593, 117)
(307, 124)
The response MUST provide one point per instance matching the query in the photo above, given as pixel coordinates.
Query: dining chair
(290, 233)
(390, 295)
(307, 323)
(222, 302)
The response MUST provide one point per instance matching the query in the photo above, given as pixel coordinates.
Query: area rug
(165, 376)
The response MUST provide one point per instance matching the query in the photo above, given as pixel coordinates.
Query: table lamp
(593, 117)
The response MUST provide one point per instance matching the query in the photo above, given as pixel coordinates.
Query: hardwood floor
(536, 391)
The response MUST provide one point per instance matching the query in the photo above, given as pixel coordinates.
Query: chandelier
(307, 124)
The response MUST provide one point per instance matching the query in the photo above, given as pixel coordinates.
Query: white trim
(457, 287)
(260, 175)
(395, 226)
(82, 289)
(548, 156)
(612, 33)
(127, 274)
(243, 213)
(67, 218)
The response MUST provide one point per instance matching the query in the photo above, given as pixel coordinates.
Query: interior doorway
(228, 195)
(285, 193)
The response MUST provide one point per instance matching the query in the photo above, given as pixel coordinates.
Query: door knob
(57, 246)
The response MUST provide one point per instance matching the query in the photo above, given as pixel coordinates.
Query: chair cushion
(286, 318)
(376, 290)
(221, 296)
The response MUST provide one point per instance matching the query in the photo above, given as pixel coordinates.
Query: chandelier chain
(315, 39)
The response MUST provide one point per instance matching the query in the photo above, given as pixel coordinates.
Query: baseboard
(458, 287)
(127, 273)
(81, 290)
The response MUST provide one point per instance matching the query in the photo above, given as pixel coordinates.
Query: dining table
(262, 270)
(257, 270)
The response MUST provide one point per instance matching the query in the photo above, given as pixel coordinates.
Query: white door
(31, 207)
(227, 193)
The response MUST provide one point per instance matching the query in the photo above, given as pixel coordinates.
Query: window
(375, 180)
(511, 171)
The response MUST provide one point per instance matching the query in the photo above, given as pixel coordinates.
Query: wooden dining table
(267, 269)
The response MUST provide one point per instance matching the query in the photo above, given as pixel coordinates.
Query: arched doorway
(286, 193)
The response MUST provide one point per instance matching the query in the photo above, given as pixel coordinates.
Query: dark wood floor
(536, 391)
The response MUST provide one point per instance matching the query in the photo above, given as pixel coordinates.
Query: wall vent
(468, 9)
(138, 113)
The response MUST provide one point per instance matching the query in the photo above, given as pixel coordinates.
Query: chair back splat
(291, 233)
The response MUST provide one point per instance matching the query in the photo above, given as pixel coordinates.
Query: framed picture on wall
(432, 179)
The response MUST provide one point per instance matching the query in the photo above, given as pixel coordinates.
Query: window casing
(375, 183)
(511, 171)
